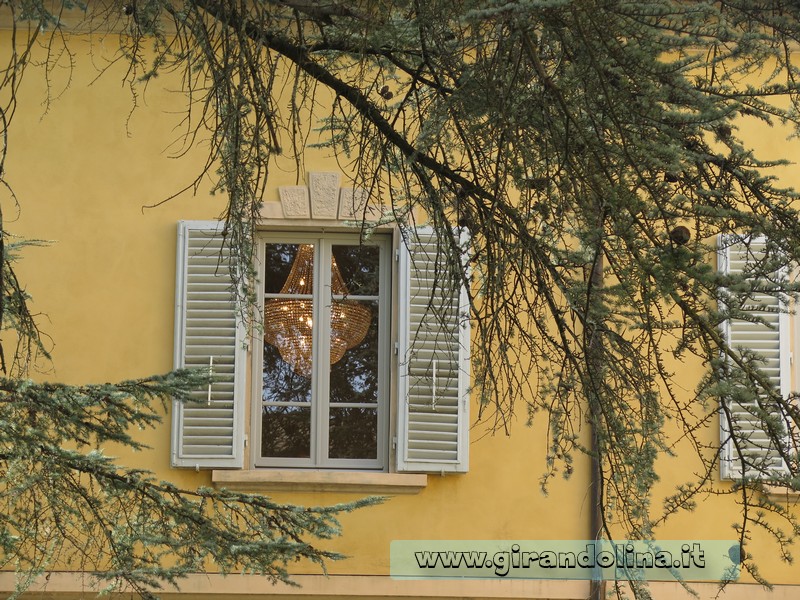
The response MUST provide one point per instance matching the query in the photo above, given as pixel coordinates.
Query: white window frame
(426, 418)
(323, 242)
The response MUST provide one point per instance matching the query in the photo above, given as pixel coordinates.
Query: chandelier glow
(288, 322)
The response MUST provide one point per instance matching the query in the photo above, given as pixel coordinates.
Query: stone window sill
(777, 492)
(269, 480)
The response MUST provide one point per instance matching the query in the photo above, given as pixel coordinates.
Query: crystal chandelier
(288, 322)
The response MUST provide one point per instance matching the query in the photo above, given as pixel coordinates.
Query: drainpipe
(596, 586)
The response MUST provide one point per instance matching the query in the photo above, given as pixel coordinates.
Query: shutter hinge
(394, 443)
(245, 440)
(397, 254)
(396, 348)
(791, 358)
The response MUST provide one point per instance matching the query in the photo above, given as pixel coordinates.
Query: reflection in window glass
(358, 266)
(354, 379)
(280, 382)
(286, 416)
(286, 431)
(353, 432)
(354, 397)
(329, 409)
(289, 312)
(277, 265)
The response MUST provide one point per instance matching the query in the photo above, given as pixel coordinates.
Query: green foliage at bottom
(66, 505)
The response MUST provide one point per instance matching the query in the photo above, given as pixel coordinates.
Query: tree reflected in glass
(286, 414)
(289, 413)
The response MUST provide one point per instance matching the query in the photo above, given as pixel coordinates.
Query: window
(377, 335)
(770, 342)
(324, 393)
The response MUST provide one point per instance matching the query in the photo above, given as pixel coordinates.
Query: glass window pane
(280, 380)
(289, 322)
(354, 376)
(349, 374)
(279, 262)
(353, 433)
(286, 431)
(357, 268)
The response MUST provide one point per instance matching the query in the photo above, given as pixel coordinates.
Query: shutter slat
(433, 423)
(768, 340)
(208, 433)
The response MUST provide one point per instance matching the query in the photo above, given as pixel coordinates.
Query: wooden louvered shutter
(433, 416)
(770, 341)
(208, 433)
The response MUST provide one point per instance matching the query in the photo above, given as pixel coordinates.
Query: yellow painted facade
(85, 169)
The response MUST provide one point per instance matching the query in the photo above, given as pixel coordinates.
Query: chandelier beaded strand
(288, 322)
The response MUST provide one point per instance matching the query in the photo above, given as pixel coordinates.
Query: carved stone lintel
(352, 202)
(294, 199)
(324, 189)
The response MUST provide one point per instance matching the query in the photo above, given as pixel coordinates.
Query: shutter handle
(210, 374)
(433, 402)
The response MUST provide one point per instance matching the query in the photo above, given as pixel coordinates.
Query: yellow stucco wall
(83, 173)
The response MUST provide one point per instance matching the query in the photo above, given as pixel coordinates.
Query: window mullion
(322, 343)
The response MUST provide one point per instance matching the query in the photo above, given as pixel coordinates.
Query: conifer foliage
(64, 503)
(67, 506)
(593, 150)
